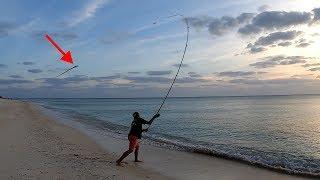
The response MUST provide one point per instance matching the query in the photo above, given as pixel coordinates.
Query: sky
(130, 48)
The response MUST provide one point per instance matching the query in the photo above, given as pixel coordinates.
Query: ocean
(276, 132)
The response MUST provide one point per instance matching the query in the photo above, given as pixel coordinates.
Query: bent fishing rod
(179, 68)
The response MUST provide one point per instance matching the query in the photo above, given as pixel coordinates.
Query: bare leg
(124, 155)
(136, 153)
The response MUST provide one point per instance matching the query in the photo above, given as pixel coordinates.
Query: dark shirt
(136, 127)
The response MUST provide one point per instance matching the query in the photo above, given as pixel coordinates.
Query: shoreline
(149, 141)
(159, 163)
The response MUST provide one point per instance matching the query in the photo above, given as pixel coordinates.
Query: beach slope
(33, 146)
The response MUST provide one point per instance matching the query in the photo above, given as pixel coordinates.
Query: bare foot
(137, 161)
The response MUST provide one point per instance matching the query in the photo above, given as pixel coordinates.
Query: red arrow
(65, 56)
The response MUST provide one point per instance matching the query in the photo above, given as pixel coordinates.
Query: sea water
(277, 132)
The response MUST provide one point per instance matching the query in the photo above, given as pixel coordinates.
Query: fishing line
(67, 71)
(180, 65)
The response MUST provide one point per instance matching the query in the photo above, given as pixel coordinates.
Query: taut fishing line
(180, 65)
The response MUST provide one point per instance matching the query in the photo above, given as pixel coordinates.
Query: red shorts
(133, 142)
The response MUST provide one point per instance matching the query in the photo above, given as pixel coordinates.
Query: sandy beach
(34, 146)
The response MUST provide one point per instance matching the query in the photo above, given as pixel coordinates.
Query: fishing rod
(179, 68)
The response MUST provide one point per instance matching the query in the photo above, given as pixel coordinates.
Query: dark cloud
(143, 79)
(64, 81)
(105, 78)
(303, 45)
(249, 29)
(219, 26)
(134, 72)
(28, 63)
(310, 65)
(3, 66)
(236, 73)
(13, 81)
(254, 49)
(272, 61)
(5, 28)
(163, 80)
(194, 74)
(35, 70)
(275, 20)
(263, 8)
(285, 44)
(183, 65)
(279, 81)
(271, 39)
(277, 36)
(158, 73)
(316, 16)
(15, 76)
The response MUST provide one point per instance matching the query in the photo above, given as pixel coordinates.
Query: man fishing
(134, 136)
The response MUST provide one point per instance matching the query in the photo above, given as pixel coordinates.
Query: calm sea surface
(280, 132)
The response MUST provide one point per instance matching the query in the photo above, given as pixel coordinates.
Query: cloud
(105, 78)
(254, 49)
(303, 45)
(272, 61)
(285, 44)
(134, 72)
(310, 65)
(62, 35)
(5, 28)
(88, 11)
(316, 16)
(263, 8)
(275, 20)
(158, 73)
(28, 63)
(236, 73)
(15, 76)
(277, 36)
(3, 66)
(183, 65)
(162, 80)
(271, 39)
(219, 26)
(194, 75)
(280, 81)
(315, 69)
(143, 79)
(13, 81)
(35, 70)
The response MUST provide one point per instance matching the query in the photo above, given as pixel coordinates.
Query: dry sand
(33, 146)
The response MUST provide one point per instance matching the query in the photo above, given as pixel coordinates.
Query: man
(134, 136)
